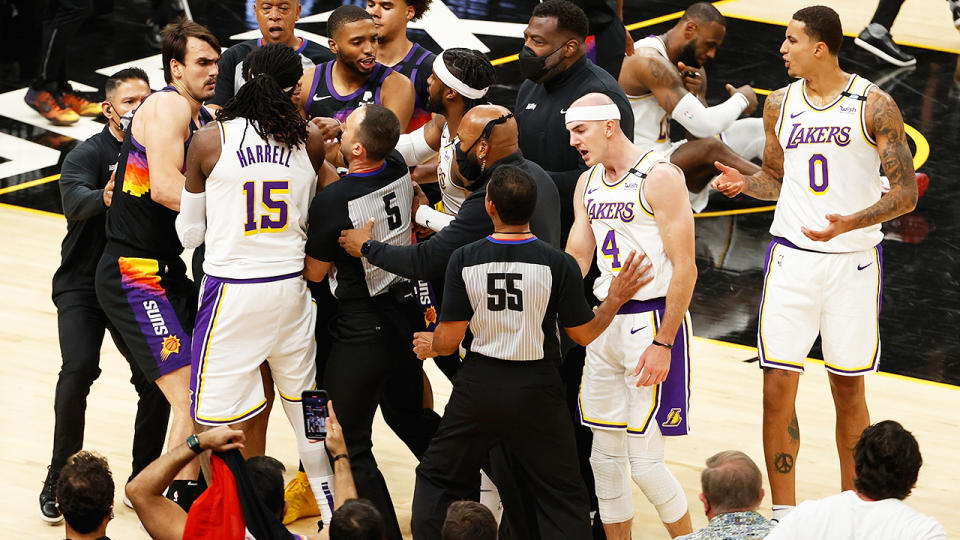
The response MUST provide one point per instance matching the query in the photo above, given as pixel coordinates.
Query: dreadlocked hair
(471, 68)
(265, 99)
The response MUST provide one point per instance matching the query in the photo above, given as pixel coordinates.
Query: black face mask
(470, 170)
(534, 67)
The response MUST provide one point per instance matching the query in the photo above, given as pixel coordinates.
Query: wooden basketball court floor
(726, 412)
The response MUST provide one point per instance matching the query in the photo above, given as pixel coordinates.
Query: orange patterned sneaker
(50, 107)
(300, 500)
(80, 105)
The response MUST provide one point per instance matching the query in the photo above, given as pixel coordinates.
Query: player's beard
(688, 55)
(435, 105)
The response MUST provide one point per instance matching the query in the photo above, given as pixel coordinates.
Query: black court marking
(921, 250)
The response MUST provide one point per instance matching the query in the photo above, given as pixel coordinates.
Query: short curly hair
(570, 18)
(419, 8)
(85, 491)
(887, 461)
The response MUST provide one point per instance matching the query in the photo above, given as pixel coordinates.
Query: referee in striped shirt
(503, 299)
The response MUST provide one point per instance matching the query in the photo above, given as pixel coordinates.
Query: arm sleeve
(708, 121)
(414, 148)
(428, 260)
(78, 183)
(323, 230)
(227, 68)
(433, 219)
(456, 302)
(191, 223)
(572, 307)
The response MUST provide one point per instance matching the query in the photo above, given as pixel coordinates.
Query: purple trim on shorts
(761, 354)
(879, 248)
(256, 280)
(674, 393)
(642, 306)
(209, 302)
(247, 416)
(784, 242)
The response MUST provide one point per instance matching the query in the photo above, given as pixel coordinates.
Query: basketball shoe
(49, 511)
(955, 10)
(79, 104)
(877, 40)
(300, 500)
(50, 107)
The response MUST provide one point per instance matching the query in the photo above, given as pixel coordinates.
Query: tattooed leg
(850, 400)
(781, 433)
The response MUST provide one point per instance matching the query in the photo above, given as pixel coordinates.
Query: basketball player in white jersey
(460, 80)
(828, 134)
(659, 91)
(636, 380)
(259, 165)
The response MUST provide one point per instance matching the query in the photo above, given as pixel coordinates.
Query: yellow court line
(753, 350)
(31, 210)
(737, 212)
(923, 147)
(30, 184)
(782, 23)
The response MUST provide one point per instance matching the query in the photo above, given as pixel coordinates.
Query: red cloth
(217, 513)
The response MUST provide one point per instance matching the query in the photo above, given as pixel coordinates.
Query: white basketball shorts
(835, 295)
(241, 324)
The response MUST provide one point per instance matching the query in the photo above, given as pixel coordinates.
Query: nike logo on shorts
(635, 330)
(864, 266)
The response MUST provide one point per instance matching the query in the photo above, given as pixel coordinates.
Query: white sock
(316, 464)
(490, 496)
(780, 511)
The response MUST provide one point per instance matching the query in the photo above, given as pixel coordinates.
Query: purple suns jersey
(324, 101)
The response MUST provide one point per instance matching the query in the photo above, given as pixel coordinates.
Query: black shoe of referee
(955, 10)
(49, 511)
(877, 40)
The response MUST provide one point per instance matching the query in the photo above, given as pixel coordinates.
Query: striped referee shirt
(514, 293)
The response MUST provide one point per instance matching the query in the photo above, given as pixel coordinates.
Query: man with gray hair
(732, 491)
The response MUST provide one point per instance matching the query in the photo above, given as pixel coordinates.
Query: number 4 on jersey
(610, 249)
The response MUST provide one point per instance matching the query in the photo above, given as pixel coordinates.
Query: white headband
(592, 112)
(442, 73)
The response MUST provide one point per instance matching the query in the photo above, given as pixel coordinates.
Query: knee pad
(611, 476)
(652, 476)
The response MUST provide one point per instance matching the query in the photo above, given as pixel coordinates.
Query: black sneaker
(955, 10)
(877, 40)
(49, 511)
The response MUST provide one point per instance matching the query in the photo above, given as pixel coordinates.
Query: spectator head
(370, 133)
(267, 475)
(511, 195)
(469, 520)
(594, 124)
(554, 39)
(887, 461)
(391, 16)
(190, 53)
(702, 28)
(730, 483)
(124, 91)
(85, 492)
(357, 519)
(471, 68)
(277, 19)
(353, 38)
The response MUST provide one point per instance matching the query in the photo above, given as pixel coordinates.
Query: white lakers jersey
(452, 194)
(622, 222)
(651, 124)
(830, 166)
(258, 197)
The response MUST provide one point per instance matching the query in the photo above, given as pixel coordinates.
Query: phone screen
(315, 414)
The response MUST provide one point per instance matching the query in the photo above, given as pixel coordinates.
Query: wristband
(193, 443)
(658, 344)
(340, 456)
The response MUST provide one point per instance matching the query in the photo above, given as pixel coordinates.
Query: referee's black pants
(521, 406)
(371, 363)
(81, 324)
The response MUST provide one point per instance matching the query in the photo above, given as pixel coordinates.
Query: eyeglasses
(487, 131)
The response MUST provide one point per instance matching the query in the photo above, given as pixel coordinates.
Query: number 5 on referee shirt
(275, 220)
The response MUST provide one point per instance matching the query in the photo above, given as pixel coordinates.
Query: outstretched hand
(630, 278)
(730, 181)
(837, 225)
(351, 240)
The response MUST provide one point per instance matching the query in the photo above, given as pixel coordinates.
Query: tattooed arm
(885, 125)
(765, 184)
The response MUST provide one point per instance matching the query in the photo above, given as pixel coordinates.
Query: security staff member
(608, 39)
(504, 297)
(553, 62)
(86, 186)
(377, 312)
(487, 141)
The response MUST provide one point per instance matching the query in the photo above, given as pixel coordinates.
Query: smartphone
(315, 414)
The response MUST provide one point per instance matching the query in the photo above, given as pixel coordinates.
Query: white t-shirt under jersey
(846, 516)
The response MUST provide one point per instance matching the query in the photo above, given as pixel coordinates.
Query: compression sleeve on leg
(414, 148)
(705, 122)
(313, 455)
(191, 222)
